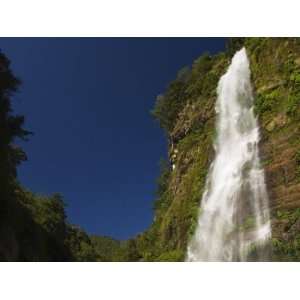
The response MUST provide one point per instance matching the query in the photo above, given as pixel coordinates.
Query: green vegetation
(287, 247)
(175, 255)
(169, 105)
(190, 131)
(274, 64)
(162, 195)
(293, 101)
(35, 227)
(297, 158)
(80, 245)
(190, 86)
(267, 102)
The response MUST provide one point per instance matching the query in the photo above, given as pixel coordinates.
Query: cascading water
(233, 222)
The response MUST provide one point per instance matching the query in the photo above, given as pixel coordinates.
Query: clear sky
(87, 102)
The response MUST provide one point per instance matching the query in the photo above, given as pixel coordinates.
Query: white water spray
(233, 222)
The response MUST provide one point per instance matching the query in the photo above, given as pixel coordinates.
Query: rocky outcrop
(275, 68)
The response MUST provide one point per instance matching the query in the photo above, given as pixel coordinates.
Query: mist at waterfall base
(233, 223)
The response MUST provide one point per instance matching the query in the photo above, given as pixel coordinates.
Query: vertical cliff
(186, 113)
(275, 65)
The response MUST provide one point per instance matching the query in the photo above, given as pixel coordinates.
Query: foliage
(266, 102)
(163, 179)
(189, 141)
(171, 256)
(169, 104)
(13, 217)
(49, 212)
(11, 127)
(162, 183)
(35, 227)
(80, 244)
(234, 44)
(274, 74)
(293, 103)
(297, 158)
(109, 249)
(32, 227)
(131, 251)
(287, 248)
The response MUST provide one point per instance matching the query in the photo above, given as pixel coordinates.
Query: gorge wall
(186, 113)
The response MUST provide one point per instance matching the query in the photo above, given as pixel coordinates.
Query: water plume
(233, 222)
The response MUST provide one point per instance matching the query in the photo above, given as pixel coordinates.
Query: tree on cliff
(11, 127)
(169, 104)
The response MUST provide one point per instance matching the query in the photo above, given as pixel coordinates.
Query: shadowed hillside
(34, 227)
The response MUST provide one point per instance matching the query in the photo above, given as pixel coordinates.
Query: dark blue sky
(87, 102)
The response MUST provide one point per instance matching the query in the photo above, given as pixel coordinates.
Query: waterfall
(233, 222)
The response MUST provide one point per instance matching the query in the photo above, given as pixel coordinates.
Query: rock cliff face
(276, 78)
(275, 67)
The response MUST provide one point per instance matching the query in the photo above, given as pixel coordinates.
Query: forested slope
(35, 227)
